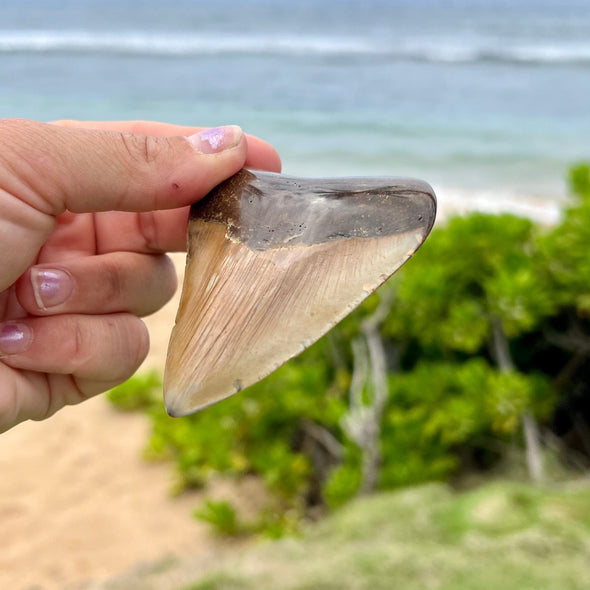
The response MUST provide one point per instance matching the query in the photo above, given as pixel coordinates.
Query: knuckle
(80, 350)
(78, 341)
(148, 230)
(143, 149)
(108, 348)
(113, 281)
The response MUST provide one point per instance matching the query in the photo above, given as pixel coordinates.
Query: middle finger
(110, 283)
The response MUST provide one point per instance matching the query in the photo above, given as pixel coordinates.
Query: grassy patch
(219, 581)
(503, 535)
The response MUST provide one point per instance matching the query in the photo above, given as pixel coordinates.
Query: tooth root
(273, 263)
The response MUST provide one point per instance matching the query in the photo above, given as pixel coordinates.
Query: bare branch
(532, 434)
(574, 340)
(324, 437)
(363, 422)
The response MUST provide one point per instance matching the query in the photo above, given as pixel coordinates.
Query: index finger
(46, 170)
(261, 155)
(165, 230)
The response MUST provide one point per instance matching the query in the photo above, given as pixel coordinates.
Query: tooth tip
(175, 407)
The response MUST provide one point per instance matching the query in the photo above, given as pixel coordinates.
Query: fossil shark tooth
(273, 263)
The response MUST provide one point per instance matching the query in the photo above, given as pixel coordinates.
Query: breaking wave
(137, 43)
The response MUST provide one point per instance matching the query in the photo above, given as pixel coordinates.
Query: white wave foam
(441, 50)
(452, 201)
(487, 50)
(175, 45)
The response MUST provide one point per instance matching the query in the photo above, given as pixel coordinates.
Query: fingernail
(50, 286)
(14, 338)
(216, 139)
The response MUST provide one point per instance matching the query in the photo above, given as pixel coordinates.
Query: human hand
(87, 211)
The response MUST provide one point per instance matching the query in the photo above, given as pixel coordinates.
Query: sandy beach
(78, 502)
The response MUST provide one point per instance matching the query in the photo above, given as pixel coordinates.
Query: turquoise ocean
(488, 100)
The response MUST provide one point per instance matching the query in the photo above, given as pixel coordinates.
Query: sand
(78, 502)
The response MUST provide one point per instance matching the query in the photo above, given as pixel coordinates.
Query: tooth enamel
(273, 264)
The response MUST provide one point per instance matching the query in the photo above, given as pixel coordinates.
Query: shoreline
(542, 210)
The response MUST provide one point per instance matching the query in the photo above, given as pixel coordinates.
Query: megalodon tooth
(273, 263)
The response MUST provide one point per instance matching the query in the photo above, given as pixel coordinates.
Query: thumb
(46, 169)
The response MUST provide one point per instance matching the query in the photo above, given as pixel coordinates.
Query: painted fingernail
(216, 139)
(50, 286)
(14, 338)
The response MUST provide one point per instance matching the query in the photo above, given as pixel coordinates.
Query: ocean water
(488, 100)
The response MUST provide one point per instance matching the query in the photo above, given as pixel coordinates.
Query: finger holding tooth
(109, 283)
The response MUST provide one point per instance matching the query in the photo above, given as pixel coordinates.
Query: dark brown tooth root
(274, 262)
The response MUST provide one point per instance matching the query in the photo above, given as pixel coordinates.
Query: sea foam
(435, 50)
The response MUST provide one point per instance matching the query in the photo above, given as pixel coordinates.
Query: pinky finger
(28, 395)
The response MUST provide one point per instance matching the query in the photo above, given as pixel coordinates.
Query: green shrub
(139, 392)
(222, 516)
(478, 298)
(220, 581)
(342, 484)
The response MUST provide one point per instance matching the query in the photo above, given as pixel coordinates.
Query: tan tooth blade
(273, 263)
